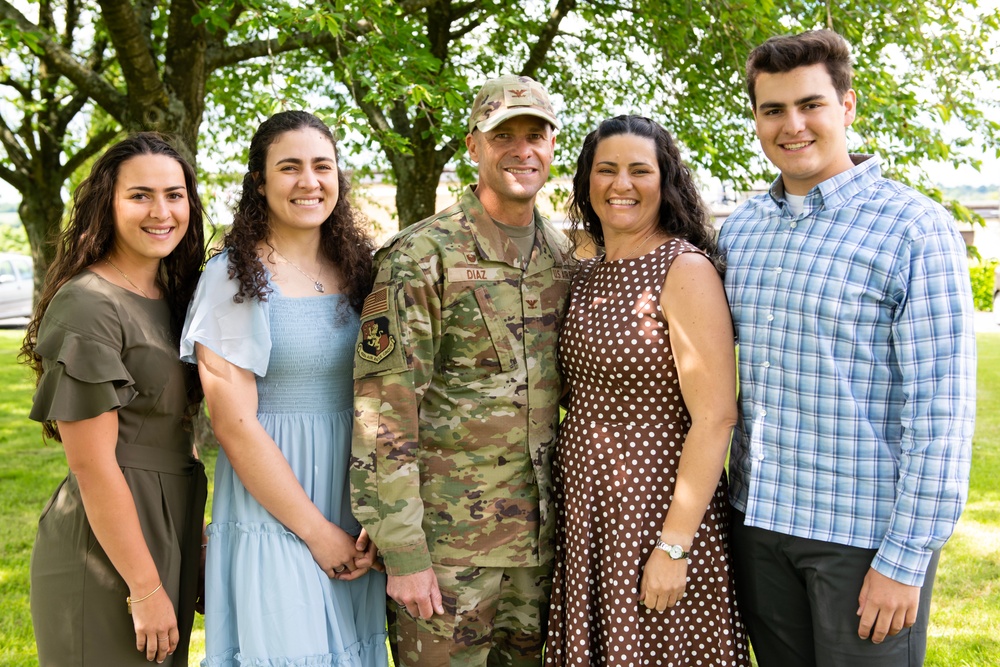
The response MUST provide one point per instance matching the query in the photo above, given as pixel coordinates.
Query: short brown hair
(786, 52)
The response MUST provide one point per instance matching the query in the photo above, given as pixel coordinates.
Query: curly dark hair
(784, 53)
(90, 236)
(683, 214)
(343, 237)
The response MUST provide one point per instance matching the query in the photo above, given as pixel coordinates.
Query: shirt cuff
(902, 563)
(408, 559)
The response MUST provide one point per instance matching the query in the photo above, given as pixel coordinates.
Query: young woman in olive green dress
(114, 570)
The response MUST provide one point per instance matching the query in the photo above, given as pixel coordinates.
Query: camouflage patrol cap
(508, 96)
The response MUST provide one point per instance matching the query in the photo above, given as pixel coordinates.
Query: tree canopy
(52, 127)
(163, 51)
(397, 77)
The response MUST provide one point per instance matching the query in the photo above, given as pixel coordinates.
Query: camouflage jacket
(457, 394)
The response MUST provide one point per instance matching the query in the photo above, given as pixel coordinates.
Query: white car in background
(16, 285)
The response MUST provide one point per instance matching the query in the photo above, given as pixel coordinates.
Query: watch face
(675, 552)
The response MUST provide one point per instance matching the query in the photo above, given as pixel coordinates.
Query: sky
(949, 177)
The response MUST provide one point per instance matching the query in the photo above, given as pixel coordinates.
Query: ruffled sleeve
(80, 343)
(238, 332)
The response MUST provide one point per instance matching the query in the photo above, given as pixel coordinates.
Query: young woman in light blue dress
(272, 326)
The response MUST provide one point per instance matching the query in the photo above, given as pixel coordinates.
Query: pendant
(318, 286)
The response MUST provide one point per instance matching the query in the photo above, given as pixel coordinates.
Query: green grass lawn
(965, 616)
(30, 470)
(965, 619)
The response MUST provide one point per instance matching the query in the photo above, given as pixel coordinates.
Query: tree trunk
(41, 213)
(168, 96)
(416, 189)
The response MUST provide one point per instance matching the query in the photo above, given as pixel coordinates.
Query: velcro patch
(518, 95)
(375, 303)
(471, 274)
(557, 274)
(376, 342)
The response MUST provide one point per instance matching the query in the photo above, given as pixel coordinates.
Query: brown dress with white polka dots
(616, 465)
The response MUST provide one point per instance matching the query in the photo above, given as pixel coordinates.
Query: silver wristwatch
(675, 551)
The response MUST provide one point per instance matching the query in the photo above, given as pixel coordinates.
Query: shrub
(983, 283)
(13, 238)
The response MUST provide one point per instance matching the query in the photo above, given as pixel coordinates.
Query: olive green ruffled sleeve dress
(104, 348)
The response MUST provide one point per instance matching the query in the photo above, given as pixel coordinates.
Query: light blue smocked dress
(268, 604)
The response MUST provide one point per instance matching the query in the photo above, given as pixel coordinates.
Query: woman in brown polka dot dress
(647, 351)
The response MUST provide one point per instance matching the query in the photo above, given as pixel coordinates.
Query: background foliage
(396, 78)
(13, 239)
(983, 284)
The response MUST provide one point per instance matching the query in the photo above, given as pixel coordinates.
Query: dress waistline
(156, 459)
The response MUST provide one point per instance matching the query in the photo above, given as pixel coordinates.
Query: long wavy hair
(90, 236)
(682, 214)
(343, 237)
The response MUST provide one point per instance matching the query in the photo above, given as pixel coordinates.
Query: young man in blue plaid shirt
(853, 310)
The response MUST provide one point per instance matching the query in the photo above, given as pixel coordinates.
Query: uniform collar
(493, 245)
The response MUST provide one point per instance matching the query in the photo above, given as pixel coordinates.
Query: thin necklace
(639, 245)
(317, 285)
(127, 279)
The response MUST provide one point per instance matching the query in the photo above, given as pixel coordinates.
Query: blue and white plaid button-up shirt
(857, 367)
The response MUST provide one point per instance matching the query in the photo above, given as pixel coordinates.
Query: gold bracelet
(129, 600)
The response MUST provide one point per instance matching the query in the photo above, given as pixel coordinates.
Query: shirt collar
(834, 191)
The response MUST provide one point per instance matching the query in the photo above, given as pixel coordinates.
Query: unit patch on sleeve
(375, 342)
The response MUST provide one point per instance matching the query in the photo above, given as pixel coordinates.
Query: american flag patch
(375, 303)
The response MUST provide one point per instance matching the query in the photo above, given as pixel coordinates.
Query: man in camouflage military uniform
(457, 397)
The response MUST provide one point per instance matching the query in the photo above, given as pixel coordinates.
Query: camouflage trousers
(494, 617)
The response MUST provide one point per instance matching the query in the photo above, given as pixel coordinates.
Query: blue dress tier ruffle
(268, 604)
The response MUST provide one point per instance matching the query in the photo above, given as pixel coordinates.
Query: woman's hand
(231, 394)
(199, 601)
(365, 559)
(663, 581)
(155, 623)
(332, 549)
(90, 451)
(371, 552)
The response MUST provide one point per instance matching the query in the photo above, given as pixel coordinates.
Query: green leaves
(215, 16)
(13, 34)
(396, 78)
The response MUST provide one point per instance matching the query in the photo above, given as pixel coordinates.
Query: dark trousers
(799, 599)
